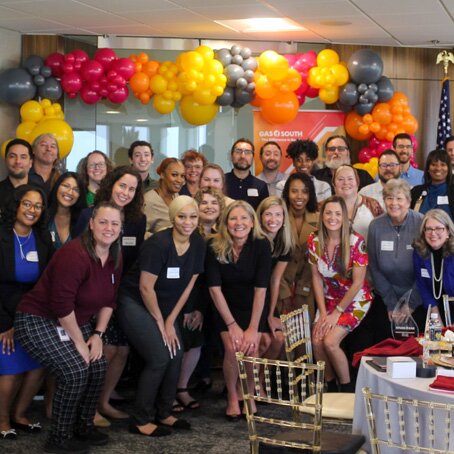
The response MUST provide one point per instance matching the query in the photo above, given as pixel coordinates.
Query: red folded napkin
(390, 347)
(443, 383)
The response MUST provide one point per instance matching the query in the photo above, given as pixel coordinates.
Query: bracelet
(339, 309)
(230, 324)
(98, 333)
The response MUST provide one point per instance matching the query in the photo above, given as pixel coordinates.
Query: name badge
(425, 273)
(32, 256)
(442, 200)
(387, 245)
(128, 241)
(62, 334)
(252, 192)
(52, 235)
(173, 272)
(409, 247)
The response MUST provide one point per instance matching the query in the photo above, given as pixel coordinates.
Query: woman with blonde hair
(238, 268)
(339, 262)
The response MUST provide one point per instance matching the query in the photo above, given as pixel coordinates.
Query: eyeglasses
(434, 229)
(96, 165)
(245, 151)
(384, 165)
(28, 205)
(403, 147)
(340, 148)
(68, 188)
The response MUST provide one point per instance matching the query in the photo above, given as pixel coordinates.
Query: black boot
(347, 387)
(331, 386)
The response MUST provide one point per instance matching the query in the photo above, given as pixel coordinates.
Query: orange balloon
(139, 82)
(399, 98)
(264, 88)
(409, 123)
(150, 68)
(374, 127)
(367, 118)
(256, 102)
(280, 109)
(144, 98)
(390, 136)
(352, 122)
(142, 57)
(363, 129)
(397, 118)
(381, 113)
(381, 134)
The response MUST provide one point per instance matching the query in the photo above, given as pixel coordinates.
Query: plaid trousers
(79, 384)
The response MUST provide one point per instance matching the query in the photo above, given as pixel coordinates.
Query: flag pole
(444, 130)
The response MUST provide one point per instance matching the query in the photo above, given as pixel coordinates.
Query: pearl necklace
(438, 279)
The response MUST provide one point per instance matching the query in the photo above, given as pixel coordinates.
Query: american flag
(444, 116)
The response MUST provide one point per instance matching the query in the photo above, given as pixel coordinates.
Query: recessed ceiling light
(261, 25)
(142, 120)
(335, 23)
(113, 112)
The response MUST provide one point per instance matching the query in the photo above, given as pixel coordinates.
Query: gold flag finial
(445, 57)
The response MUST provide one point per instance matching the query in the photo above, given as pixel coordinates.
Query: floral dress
(335, 286)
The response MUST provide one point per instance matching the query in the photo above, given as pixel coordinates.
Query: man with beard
(388, 168)
(240, 183)
(337, 153)
(18, 162)
(270, 157)
(403, 145)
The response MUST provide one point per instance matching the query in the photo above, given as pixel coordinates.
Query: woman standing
(53, 323)
(238, 269)
(433, 259)
(25, 249)
(339, 263)
(213, 176)
(193, 162)
(66, 201)
(157, 201)
(296, 285)
(151, 300)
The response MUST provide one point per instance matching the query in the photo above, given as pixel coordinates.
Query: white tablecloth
(381, 383)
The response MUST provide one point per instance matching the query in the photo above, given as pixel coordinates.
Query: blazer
(417, 191)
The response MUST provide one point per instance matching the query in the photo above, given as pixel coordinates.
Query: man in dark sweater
(240, 183)
(337, 153)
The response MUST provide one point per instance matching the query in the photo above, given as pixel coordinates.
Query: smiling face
(185, 221)
(209, 209)
(18, 161)
(397, 206)
(435, 233)
(438, 172)
(46, 151)
(68, 192)
(142, 159)
(271, 157)
(29, 210)
(242, 156)
(193, 170)
(345, 183)
(404, 149)
(337, 153)
(298, 196)
(272, 220)
(173, 177)
(124, 190)
(106, 226)
(332, 217)
(96, 168)
(388, 168)
(211, 178)
(239, 224)
(303, 163)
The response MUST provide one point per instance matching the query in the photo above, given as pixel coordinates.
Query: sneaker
(93, 437)
(68, 446)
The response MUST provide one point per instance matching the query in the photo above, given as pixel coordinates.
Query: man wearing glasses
(403, 145)
(240, 183)
(388, 168)
(337, 153)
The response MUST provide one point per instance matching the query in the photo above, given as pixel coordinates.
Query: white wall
(10, 53)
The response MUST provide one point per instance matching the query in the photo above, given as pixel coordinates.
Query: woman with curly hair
(25, 250)
(123, 186)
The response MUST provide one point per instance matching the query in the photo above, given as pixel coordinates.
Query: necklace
(21, 245)
(435, 279)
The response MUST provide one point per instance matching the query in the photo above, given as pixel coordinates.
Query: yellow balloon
(206, 52)
(158, 84)
(327, 58)
(24, 130)
(204, 96)
(31, 111)
(4, 144)
(266, 60)
(279, 70)
(60, 130)
(192, 60)
(45, 103)
(215, 67)
(329, 95)
(195, 113)
(162, 105)
(340, 73)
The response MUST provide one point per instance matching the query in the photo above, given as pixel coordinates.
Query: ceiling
(371, 22)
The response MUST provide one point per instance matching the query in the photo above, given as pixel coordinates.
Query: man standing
(141, 157)
(449, 147)
(270, 156)
(337, 152)
(240, 183)
(388, 168)
(18, 162)
(403, 145)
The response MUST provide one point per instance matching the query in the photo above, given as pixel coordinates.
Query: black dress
(238, 280)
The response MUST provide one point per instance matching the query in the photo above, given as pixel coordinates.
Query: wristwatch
(98, 333)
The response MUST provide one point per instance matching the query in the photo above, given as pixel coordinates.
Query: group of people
(106, 258)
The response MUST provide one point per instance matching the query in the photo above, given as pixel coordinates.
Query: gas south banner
(316, 125)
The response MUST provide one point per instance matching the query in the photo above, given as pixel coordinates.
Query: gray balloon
(250, 63)
(235, 50)
(38, 80)
(33, 64)
(249, 75)
(224, 56)
(241, 83)
(246, 52)
(16, 86)
(349, 94)
(363, 109)
(369, 94)
(363, 99)
(45, 71)
(343, 107)
(51, 89)
(233, 73)
(362, 88)
(365, 66)
(373, 98)
(227, 97)
(250, 87)
(373, 87)
(385, 89)
(243, 96)
(237, 59)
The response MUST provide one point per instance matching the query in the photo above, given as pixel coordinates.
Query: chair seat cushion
(335, 405)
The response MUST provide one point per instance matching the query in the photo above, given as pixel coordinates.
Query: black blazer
(416, 193)
(11, 291)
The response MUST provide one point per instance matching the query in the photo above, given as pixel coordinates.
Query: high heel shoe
(160, 431)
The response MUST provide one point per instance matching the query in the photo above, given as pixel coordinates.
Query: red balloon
(71, 83)
(111, 87)
(80, 56)
(111, 74)
(291, 58)
(312, 92)
(91, 71)
(67, 68)
(364, 155)
(119, 80)
(119, 95)
(105, 56)
(124, 67)
(103, 92)
(301, 99)
(70, 58)
(88, 95)
(55, 62)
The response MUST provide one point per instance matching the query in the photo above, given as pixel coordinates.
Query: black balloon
(51, 89)
(33, 64)
(227, 97)
(45, 71)
(365, 66)
(349, 94)
(38, 80)
(343, 107)
(385, 89)
(242, 96)
(16, 86)
(363, 109)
